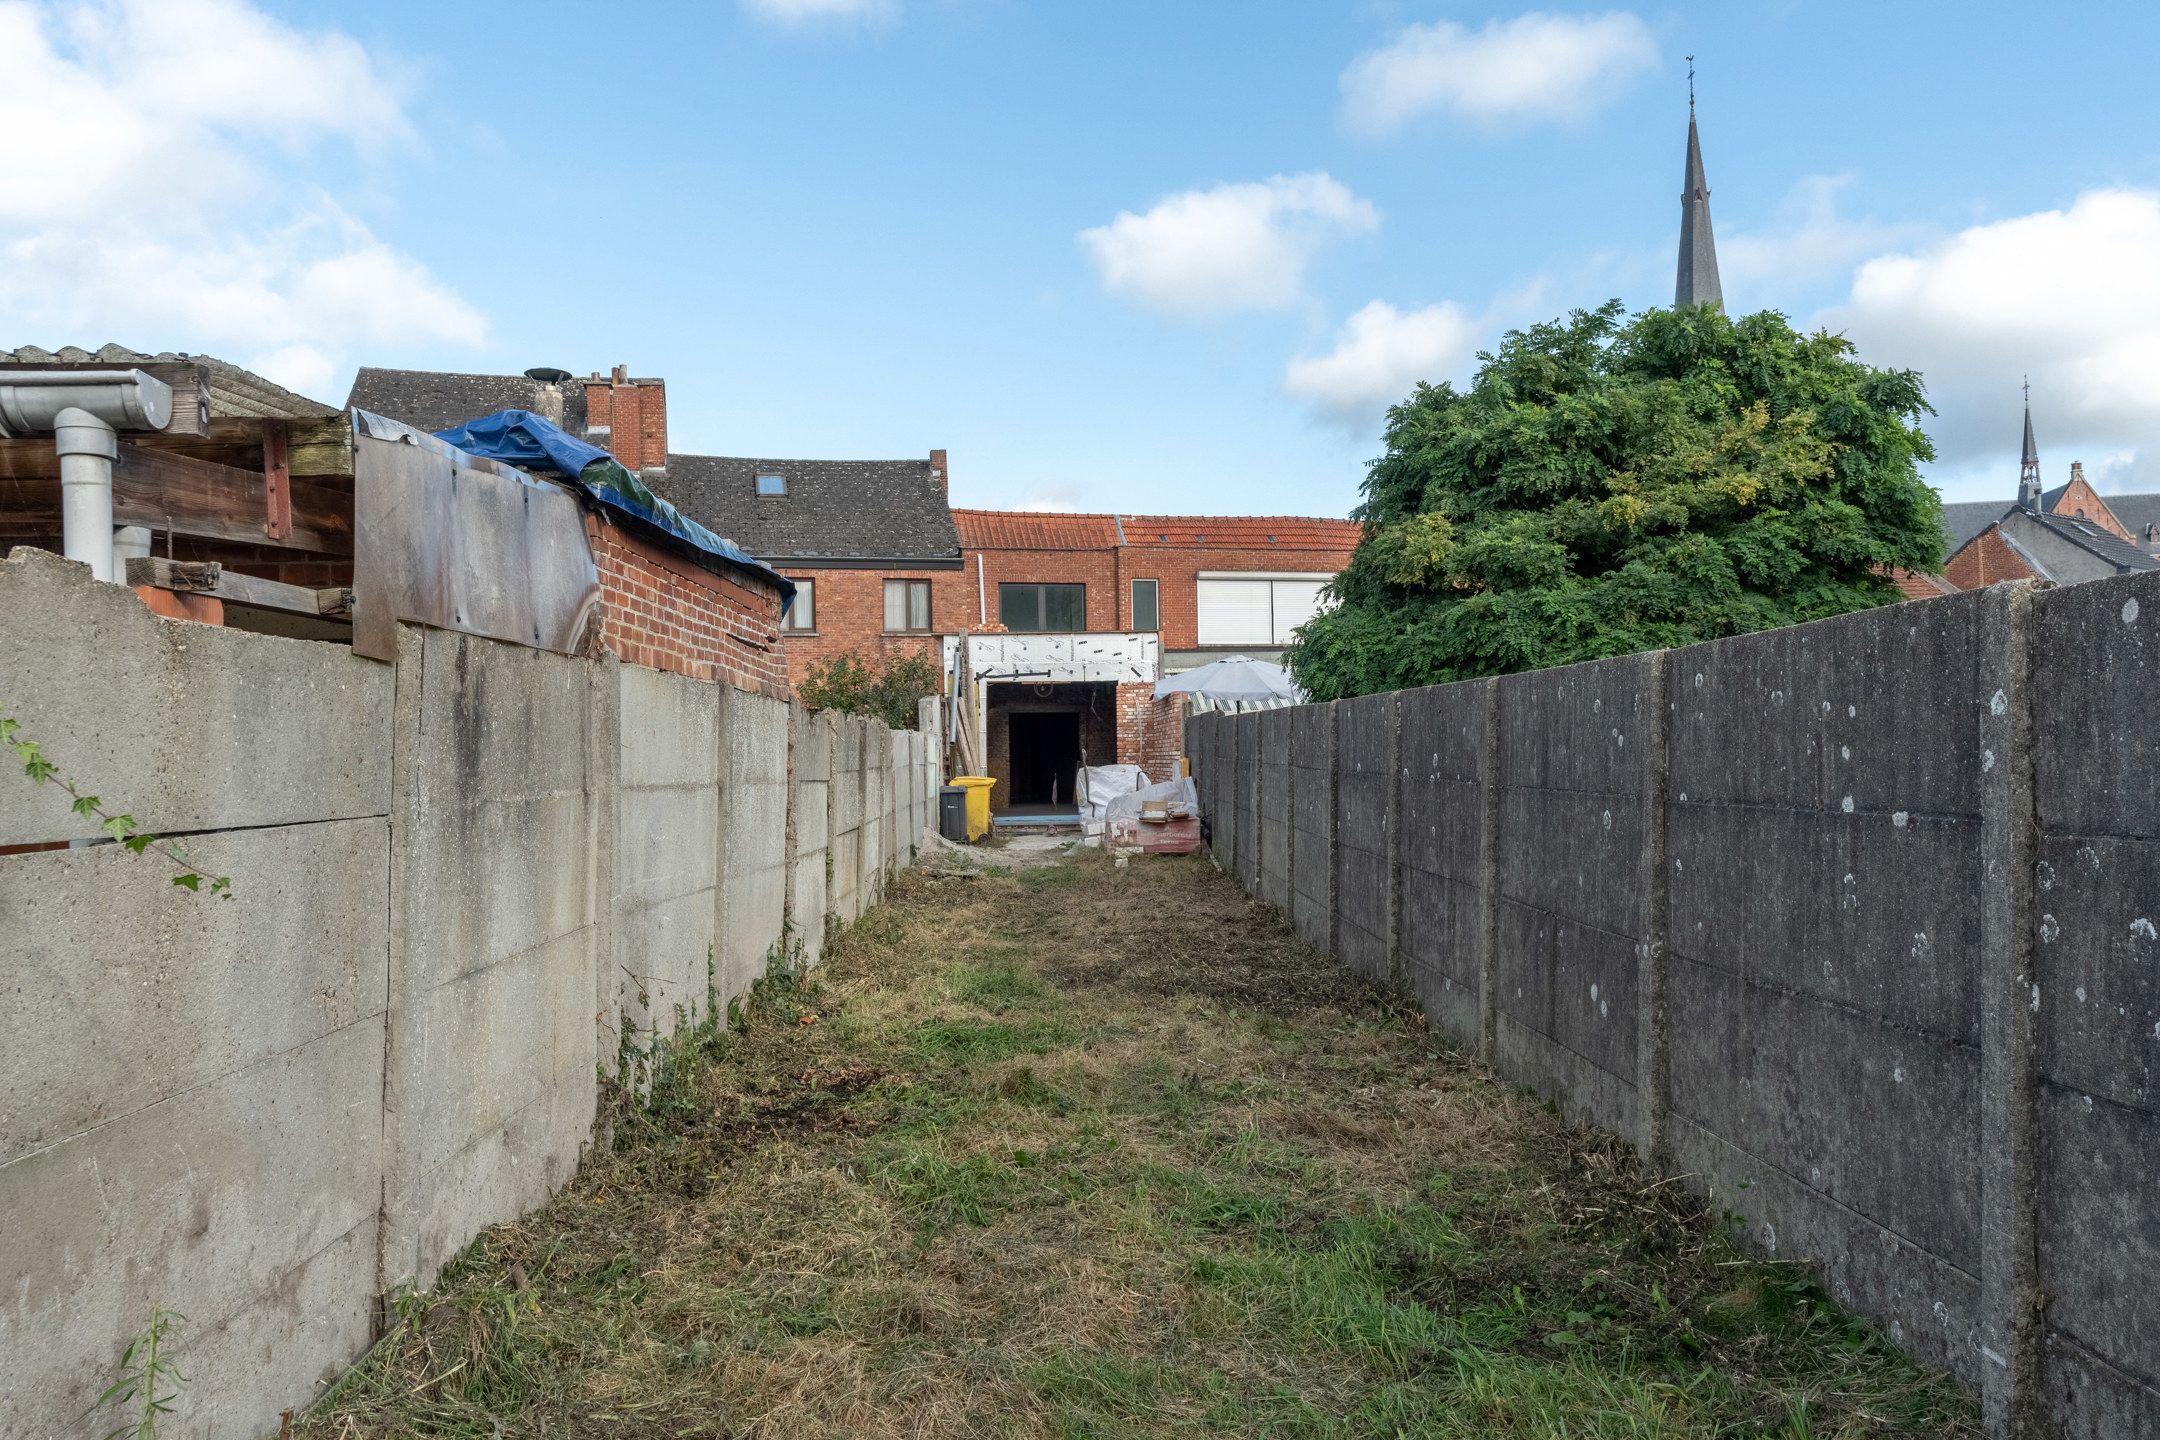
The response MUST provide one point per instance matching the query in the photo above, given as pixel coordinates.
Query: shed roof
(234, 393)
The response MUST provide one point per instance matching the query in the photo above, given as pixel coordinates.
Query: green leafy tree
(1609, 485)
(888, 686)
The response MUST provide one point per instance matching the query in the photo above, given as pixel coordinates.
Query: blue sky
(1112, 256)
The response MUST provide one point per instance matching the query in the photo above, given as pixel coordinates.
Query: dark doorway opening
(1045, 756)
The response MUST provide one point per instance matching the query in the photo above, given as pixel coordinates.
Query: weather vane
(1690, 85)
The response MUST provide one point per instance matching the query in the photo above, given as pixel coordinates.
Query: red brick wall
(660, 610)
(1985, 560)
(2079, 498)
(850, 615)
(1177, 571)
(1096, 569)
(635, 412)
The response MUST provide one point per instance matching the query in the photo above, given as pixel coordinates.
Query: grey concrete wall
(178, 1082)
(665, 891)
(1312, 822)
(845, 902)
(1246, 800)
(2095, 1001)
(1272, 801)
(495, 945)
(813, 738)
(1824, 829)
(1364, 850)
(1443, 854)
(1849, 924)
(1570, 904)
(753, 837)
(269, 1112)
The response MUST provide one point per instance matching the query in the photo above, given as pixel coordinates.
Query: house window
(1257, 609)
(907, 605)
(1146, 605)
(802, 615)
(1041, 608)
(772, 484)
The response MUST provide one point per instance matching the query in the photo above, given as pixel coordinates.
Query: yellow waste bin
(978, 803)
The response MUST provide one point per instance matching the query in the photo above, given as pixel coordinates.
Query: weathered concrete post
(2010, 1298)
(1334, 835)
(1489, 888)
(1653, 1065)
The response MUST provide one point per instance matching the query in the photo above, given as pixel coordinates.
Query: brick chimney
(937, 470)
(628, 418)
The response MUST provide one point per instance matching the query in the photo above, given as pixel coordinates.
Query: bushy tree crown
(1609, 485)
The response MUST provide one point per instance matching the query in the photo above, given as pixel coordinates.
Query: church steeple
(1698, 278)
(2029, 465)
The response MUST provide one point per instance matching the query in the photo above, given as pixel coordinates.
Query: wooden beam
(322, 447)
(165, 490)
(211, 578)
(277, 481)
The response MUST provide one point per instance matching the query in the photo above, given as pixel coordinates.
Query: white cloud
(1531, 68)
(159, 195)
(2070, 297)
(800, 12)
(1380, 354)
(1808, 239)
(1231, 248)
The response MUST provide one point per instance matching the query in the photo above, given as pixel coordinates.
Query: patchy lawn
(1080, 1152)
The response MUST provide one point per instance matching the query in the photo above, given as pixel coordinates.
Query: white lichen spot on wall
(1987, 760)
(1846, 804)
(1844, 752)
(2143, 929)
(1852, 712)
(2081, 994)
(2130, 611)
(2049, 929)
(1922, 947)
(2035, 997)
(1998, 703)
(2045, 873)
(1899, 818)
(1897, 1074)
(1698, 679)
(1608, 819)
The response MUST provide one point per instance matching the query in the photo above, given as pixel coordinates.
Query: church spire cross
(2029, 464)
(1697, 280)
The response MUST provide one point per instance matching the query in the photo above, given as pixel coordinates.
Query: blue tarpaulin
(532, 442)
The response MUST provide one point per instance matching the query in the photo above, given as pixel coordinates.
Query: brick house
(869, 544)
(664, 604)
(1083, 614)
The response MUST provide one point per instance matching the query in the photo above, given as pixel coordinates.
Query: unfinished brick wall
(669, 613)
(1177, 571)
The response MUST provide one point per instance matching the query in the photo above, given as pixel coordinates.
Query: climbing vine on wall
(121, 828)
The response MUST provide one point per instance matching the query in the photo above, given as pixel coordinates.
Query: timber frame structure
(247, 477)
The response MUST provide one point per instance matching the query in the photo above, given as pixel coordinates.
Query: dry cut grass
(1078, 1152)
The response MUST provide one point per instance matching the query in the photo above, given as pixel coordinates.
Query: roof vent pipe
(83, 409)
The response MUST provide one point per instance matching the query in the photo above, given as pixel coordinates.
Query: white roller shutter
(1235, 612)
(1296, 601)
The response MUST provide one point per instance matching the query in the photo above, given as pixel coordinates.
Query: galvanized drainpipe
(83, 409)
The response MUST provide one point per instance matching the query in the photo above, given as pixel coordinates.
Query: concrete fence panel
(185, 727)
(1273, 803)
(2095, 1001)
(1570, 913)
(494, 940)
(667, 849)
(753, 838)
(1245, 801)
(813, 741)
(1824, 836)
(1312, 822)
(1364, 850)
(190, 1116)
(1443, 854)
(845, 902)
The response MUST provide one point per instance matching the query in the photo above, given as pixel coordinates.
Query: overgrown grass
(1118, 1160)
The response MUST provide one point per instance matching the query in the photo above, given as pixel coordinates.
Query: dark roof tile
(833, 510)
